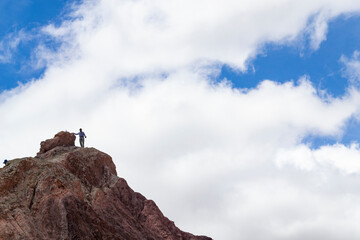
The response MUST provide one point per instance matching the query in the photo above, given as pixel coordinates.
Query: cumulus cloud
(339, 157)
(137, 76)
(147, 36)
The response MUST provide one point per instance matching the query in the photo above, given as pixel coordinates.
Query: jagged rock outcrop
(62, 138)
(68, 192)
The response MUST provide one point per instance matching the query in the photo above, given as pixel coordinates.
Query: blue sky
(266, 163)
(276, 61)
(323, 66)
(28, 16)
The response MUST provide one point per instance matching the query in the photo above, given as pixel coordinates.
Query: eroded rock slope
(66, 192)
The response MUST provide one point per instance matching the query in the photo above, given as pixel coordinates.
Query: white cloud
(318, 29)
(143, 36)
(9, 45)
(343, 158)
(229, 163)
(352, 67)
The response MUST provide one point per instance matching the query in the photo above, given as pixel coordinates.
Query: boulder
(63, 138)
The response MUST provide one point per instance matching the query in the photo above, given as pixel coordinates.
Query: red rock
(74, 193)
(62, 138)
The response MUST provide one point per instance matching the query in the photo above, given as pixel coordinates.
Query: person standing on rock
(82, 137)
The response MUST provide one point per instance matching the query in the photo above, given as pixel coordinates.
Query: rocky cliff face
(66, 192)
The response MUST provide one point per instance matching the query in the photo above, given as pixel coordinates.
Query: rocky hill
(67, 192)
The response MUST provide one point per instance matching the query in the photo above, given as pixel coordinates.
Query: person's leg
(82, 142)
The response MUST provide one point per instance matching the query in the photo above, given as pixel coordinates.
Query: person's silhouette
(82, 137)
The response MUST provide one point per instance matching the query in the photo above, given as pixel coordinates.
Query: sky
(240, 119)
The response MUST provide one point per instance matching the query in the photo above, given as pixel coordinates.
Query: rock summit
(67, 192)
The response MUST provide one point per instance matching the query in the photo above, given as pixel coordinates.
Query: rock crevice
(33, 196)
